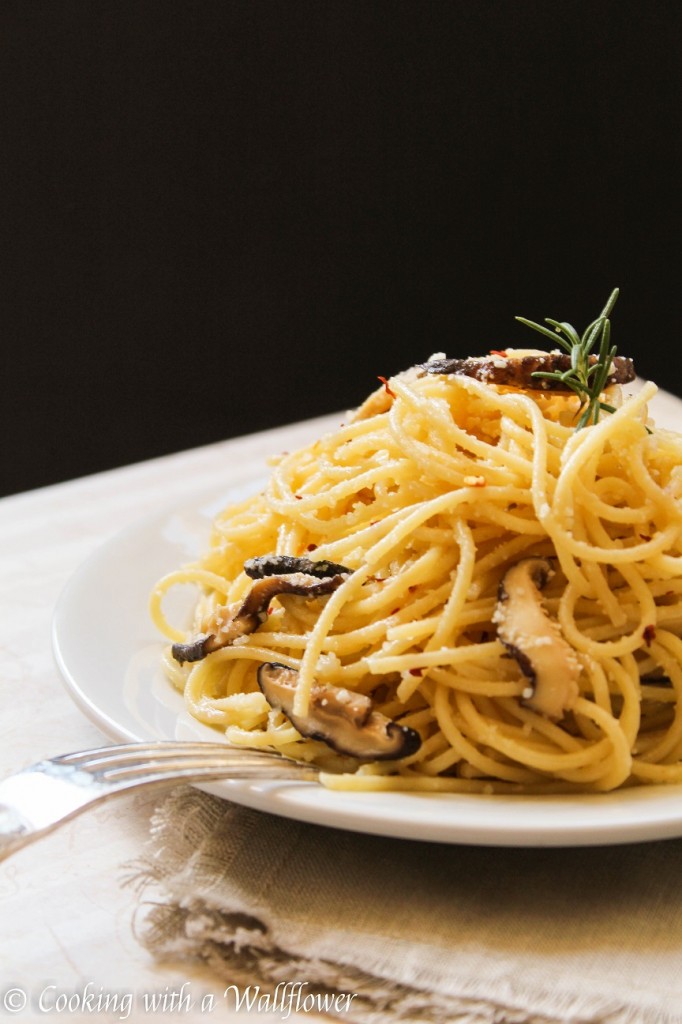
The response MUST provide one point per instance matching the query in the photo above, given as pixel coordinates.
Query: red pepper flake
(415, 586)
(387, 386)
(416, 671)
(311, 547)
(498, 352)
(299, 497)
(645, 536)
(649, 634)
(271, 610)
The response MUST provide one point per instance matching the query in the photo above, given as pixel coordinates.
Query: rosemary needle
(587, 374)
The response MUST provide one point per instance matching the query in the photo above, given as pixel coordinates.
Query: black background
(221, 216)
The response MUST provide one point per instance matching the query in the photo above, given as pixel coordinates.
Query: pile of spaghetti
(430, 496)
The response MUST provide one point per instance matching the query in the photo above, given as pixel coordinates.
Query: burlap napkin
(416, 931)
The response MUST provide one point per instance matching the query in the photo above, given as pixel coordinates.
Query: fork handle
(15, 831)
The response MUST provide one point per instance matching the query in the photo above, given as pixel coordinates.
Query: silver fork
(38, 799)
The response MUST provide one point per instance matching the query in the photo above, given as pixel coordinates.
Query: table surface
(66, 918)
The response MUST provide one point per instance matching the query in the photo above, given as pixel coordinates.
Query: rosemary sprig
(584, 376)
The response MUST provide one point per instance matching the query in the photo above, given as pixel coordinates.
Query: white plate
(108, 652)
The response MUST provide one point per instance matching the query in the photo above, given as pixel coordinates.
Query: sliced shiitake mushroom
(340, 718)
(535, 640)
(515, 368)
(231, 621)
(279, 565)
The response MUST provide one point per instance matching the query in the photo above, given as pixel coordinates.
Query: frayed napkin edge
(241, 948)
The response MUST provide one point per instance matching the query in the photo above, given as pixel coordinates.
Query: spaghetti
(430, 495)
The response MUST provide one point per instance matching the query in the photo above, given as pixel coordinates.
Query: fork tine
(207, 765)
(156, 774)
(138, 762)
(122, 751)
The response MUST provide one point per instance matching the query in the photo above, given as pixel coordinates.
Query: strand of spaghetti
(379, 664)
(625, 675)
(345, 643)
(524, 440)
(666, 566)
(580, 452)
(491, 512)
(595, 573)
(535, 727)
(542, 481)
(366, 537)
(436, 762)
(446, 627)
(463, 575)
(503, 553)
(663, 500)
(281, 737)
(667, 651)
(584, 443)
(396, 470)
(437, 461)
(542, 429)
(621, 759)
(191, 574)
(586, 764)
(646, 772)
(536, 734)
(610, 648)
(470, 752)
(474, 612)
(468, 684)
(599, 685)
(424, 512)
(411, 616)
(239, 651)
(619, 555)
(429, 566)
(452, 436)
(249, 710)
(406, 783)
(363, 538)
(591, 502)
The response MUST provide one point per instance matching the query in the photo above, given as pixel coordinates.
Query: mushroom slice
(340, 718)
(515, 368)
(278, 565)
(534, 640)
(231, 621)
